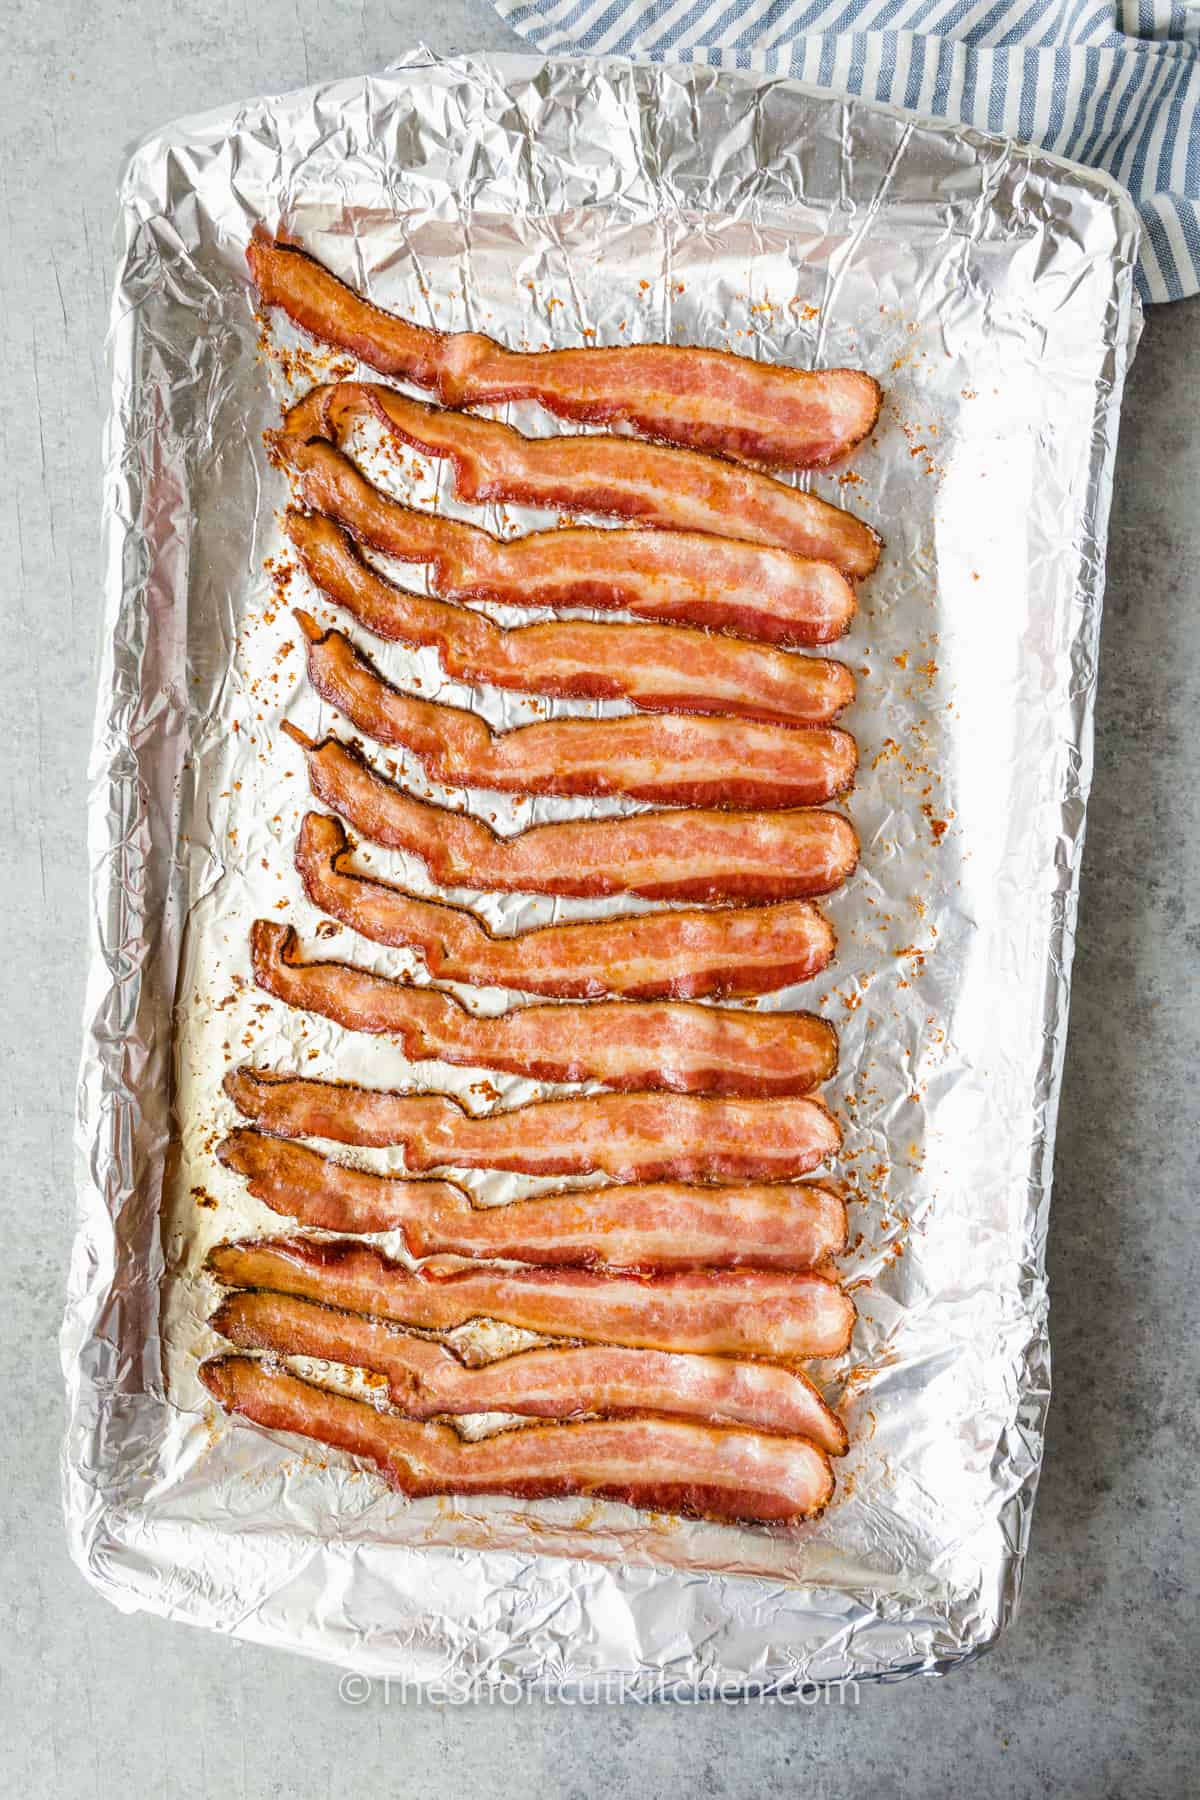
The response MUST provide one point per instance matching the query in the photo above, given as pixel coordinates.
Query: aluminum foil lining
(991, 289)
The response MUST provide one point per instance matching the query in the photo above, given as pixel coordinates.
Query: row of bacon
(682, 1295)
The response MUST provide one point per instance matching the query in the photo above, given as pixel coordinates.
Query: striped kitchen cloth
(1117, 85)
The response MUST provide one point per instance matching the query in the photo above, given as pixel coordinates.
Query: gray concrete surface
(1092, 1694)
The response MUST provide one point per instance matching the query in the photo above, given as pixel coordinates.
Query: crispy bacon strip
(727, 1312)
(678, 760)
(680, 955)
(672, 1044)
(664, 1464)
(706, 399)
(659, 668)
(683, 576)
(683, 855)
(665, 1227)
(628, 1137)
(681, 490)
(426, 1379)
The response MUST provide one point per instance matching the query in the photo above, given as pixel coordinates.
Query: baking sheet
(990, 289)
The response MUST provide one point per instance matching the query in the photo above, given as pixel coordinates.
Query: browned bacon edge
(626, 1044)
(727, 1312)
(426, 1380)
(683, 577)
(668, 1465)
(705, 399)
(665, 1226)
(659, 668)
(673, 759)
(681, 490)
(689, 954)
(686, 854)
(628, 1137)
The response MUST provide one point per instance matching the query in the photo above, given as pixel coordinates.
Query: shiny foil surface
(990, 289)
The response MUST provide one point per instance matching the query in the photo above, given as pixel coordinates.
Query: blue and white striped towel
(1110, 82)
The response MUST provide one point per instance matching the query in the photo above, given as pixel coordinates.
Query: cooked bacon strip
(682, 855)
(426, 1379)
(681, 490)
(707, 399)
(665, 1227)
(727, 1312)
(659, 668)
(628, 1137)
(680, 761)
(663, 1464)
(302, 1185)
(684, 576)
(673, 1044)
(680, 955)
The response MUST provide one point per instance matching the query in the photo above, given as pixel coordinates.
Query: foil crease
(991, 290)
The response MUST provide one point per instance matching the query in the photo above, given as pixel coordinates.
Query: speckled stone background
(1093, 1692)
